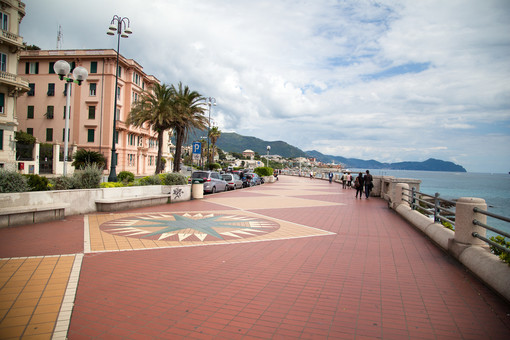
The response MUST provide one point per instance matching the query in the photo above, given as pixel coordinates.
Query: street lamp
(62, 68)
(210, 101)
(267, 159)
(121, 26)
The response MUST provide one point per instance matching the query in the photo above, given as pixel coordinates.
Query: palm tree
(188, 111)
(214, 134)
(154, 108)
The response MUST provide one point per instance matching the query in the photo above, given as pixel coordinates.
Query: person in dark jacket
(358, 184)
(368, 184)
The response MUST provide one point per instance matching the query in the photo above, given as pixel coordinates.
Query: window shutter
(37, 68)
(27, 68)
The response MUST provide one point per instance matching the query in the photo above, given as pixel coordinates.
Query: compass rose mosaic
(190, 227)
(130, 231)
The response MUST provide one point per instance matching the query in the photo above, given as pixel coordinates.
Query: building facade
(11, 85)
(41, 111)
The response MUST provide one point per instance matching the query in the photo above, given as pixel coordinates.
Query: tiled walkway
(299, 258)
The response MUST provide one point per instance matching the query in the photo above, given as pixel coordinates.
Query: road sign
(197, 150)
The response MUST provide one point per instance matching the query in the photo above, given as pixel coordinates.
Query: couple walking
(365, 182)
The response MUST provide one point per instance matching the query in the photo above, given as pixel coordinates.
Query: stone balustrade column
(464, 216)
(398, 195)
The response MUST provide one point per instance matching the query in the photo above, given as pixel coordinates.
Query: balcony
(14, 82)
(12, 39)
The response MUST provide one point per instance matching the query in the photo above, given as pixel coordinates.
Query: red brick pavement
(375, 277)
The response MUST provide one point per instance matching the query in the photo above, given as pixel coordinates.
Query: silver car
(233, 181)
(213, 182)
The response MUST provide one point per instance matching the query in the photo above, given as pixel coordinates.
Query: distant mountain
(233, 142)
(430, 164)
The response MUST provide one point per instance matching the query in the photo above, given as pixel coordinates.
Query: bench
(115, 204)
(12, 216)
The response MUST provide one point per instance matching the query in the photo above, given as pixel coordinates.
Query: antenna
(60, 37)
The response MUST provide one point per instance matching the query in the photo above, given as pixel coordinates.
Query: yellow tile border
(56, 285)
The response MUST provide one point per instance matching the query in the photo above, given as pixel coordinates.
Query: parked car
(233, 181)
(253, 179)
(213, 182)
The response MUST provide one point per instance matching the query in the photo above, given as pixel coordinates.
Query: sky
(385, 80)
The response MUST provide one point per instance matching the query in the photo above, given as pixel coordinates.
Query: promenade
(295, 259)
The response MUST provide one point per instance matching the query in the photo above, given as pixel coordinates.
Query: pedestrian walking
(349, 180)
(344, 180)
(368, 184)
(358, 184)
(330, 177)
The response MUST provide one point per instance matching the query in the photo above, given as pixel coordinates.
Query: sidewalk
(298, 258)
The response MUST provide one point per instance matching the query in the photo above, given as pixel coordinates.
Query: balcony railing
(14, 80)
(12, 38)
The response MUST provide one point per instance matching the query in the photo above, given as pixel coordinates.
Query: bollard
(464, 216)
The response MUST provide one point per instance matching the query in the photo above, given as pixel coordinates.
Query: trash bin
(197, 188)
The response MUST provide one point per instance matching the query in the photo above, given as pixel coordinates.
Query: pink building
(41, 111)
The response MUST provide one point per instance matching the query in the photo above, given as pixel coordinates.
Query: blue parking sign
(197, 148)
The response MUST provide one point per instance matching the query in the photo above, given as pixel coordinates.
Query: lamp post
(210, 101)
(62, 68)
(121, 26)
(267, 159)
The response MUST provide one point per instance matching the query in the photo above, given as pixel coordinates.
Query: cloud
(385, 80)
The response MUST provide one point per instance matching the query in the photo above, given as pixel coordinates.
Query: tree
(214, 134)
(155, 108)
(188, 110)
(84, 158)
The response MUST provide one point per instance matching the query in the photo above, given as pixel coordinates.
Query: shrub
(37, 183)
(83, 158)
(62, 183)
(505, 257)
(89, 178)
(111, 185)
(447, 225)
(263, 171)
(11, 181)
(173, 178)
(126, 176)
(150, 180)
(213, 166)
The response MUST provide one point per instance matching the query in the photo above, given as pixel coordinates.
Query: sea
(493, 188)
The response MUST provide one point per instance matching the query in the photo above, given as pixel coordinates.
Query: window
(2, 102)
(131, 139)
(30, 112)
(1, 139)
(51, 70)
(93, 67)
(64, 135)
(32, 68)
(131, 159)
(4, 21)
(3, 62)
(119, 72)
(118, 92)
(49, 112)
(69, 112)
(92, 112)
(68, 86)
(92, 89)
(51, 89)
(116, 137)
(90, 135)
(30, 131)
(32, 89)
(117, 114)
(49, 135)
(135, 97)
